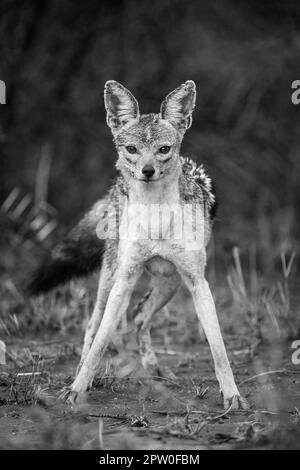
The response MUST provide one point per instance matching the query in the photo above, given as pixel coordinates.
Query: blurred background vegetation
(55, 57)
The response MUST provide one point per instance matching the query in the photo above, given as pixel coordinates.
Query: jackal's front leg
(117, 304)
(104, 288)
(205, 308)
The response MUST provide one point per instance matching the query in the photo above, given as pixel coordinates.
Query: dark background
(55, 57)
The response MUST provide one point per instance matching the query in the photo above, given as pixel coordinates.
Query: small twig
(212, 418)
(199, 412)
(25, 374)
(280, 371)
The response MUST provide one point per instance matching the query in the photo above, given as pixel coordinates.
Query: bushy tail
(77, 255)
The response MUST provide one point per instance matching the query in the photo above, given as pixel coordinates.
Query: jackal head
(148, 144)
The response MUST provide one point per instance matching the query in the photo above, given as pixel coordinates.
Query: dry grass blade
(213, 418)
(280, 371)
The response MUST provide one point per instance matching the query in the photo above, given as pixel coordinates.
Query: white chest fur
(156, 227)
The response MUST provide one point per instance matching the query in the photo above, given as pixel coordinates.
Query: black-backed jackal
(156, 217)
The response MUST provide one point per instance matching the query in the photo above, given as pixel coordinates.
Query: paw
(63, 396)
(236, 403)
(72, 397)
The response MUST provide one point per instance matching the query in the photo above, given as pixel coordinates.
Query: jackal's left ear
(121, 106)
(179, 105)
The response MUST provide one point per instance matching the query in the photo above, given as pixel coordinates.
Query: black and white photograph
(150, 228)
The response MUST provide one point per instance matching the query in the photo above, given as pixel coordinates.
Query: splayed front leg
(205, 308)
(191, 265)
(117, 304)
(104, 288)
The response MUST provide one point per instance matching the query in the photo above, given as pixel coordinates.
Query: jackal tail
(79, 254)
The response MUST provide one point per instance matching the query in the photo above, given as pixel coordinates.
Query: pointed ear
(178, 106)
(121, 106)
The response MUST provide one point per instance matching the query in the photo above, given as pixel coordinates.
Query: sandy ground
(125, 409)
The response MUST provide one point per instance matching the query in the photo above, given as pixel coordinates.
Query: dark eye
(165, 149)
(131, 149)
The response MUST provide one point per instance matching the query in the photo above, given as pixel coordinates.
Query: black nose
(148, 171)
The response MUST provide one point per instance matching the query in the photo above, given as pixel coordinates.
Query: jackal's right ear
(121, 106)
(178, 106)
